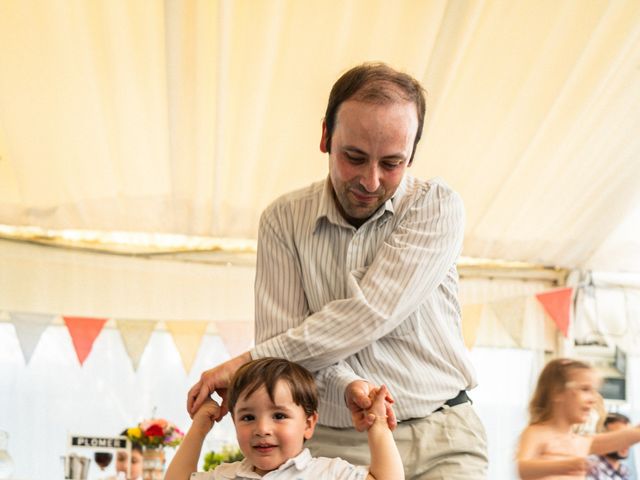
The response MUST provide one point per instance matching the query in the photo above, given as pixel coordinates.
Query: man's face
(613, 427)
(371, 147)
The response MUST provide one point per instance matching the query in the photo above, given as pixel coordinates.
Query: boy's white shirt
(301, 467)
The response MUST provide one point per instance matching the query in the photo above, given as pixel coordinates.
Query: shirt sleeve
(279, 291)
(409, 266)
(332, 383)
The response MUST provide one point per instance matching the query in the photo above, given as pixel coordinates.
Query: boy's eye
(247, 418)
(279, 416)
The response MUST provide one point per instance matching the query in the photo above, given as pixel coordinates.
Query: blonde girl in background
(564, 397)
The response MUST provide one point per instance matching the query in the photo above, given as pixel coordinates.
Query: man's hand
(358, 396)
(215, 380)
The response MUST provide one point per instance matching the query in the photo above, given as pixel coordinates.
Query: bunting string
(511, 322)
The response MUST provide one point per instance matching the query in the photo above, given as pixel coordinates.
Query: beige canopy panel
(188, 117)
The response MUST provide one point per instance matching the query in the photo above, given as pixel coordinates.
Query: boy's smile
(270, 432)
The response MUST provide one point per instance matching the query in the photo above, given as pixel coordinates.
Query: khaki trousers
(447, 445)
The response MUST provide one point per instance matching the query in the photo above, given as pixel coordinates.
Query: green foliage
(229, 454)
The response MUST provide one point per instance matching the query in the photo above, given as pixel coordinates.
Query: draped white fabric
(189, 117)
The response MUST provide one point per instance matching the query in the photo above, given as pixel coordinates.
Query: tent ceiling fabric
(190, 117)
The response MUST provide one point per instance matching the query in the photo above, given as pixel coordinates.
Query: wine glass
(103, 459)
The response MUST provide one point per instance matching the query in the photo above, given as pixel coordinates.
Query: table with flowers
(154, 435)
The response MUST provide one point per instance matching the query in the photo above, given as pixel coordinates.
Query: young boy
(274, 406)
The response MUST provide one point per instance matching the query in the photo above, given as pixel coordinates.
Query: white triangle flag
(135, 336)
(510, 314)
(187, 336)
(29, 327)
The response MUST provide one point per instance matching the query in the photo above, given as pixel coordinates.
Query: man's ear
(323, 138)
(312, 420)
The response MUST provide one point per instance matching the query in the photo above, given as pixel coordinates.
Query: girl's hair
(268, 372)
(553, 379)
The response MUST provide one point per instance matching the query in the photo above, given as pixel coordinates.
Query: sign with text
(98, 442)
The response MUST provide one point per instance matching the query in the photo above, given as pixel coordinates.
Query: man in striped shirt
(356, 280)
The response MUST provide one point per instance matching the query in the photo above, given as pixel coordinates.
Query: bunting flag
(557, 304)
(29, 328)
(510, 314)
(492, 333)
(237, 336)
(187, 336)
(135, 336)
(83, 331)
(471, 315)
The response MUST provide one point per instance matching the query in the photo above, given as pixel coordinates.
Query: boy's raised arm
(185, 461)
(386, 463)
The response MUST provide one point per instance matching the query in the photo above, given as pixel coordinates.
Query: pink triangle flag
(237, 336)
(557, 304)
(83, 331)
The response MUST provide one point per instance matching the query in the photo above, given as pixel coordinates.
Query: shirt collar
(328, 209)
(300, 462)
(622, 468)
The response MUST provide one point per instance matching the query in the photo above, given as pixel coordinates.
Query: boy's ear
(312, 420)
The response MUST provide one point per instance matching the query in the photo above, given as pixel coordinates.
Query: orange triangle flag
(83, 331)
(557, 304)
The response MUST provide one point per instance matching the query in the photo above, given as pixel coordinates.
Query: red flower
(154, 431)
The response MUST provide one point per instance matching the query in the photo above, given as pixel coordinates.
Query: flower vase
(153, 464)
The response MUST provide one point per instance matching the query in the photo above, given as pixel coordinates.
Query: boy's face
(269, 433)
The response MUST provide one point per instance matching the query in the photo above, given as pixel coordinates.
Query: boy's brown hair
(553, 379)
(268, 372)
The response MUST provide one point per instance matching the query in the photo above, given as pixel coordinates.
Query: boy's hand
(357, 397)
(379, 405)
(207, 415)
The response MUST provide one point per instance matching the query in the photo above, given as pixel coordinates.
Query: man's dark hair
(379, 84)
(616, 418)
(268, 372)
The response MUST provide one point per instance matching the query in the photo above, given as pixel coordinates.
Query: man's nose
(370, 178)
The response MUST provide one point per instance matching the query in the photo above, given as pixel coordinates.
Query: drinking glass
(103, 459)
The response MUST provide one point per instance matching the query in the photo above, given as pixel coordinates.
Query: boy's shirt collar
(300, 462)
